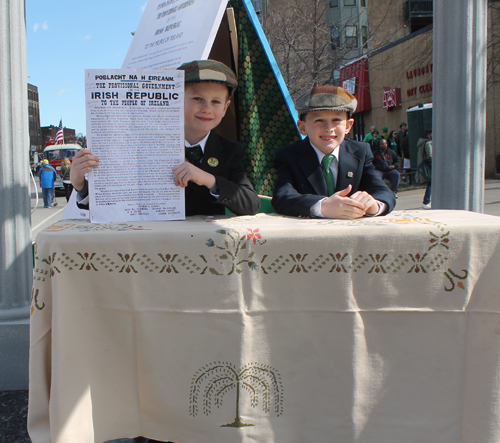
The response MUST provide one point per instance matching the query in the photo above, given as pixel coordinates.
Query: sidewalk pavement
(413, 199)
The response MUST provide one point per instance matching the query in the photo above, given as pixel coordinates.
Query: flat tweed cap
(209, 71)
(326, 98)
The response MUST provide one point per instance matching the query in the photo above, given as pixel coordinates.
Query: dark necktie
(194, 154)
(327, 173)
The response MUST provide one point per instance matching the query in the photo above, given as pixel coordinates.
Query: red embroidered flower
(254, 235)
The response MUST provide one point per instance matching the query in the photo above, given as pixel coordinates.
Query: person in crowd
(402, 129)
(393, 144)
(424, 154)
(386, 162)
(374, 141)
(369, 136)
(47, 176)
(326, 175)
(385, 133)
(65, 177)
(212, 174)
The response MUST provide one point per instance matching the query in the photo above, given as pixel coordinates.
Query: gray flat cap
(209, 71)
(326, 98)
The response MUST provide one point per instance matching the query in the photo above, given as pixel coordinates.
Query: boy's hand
(342, 207)
(371, 205)
(83, 162)
(187, 172)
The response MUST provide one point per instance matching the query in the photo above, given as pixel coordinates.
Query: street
(43, 217)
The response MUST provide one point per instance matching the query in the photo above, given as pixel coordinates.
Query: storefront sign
(355, 75)
(422, 89)
(419, 71)
(392, 98)
(350, 85)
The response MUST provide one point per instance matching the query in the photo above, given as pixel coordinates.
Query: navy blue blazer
(300, 182)
(235, 191)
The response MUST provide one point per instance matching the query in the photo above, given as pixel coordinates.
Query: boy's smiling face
(204, 106)
(326, 129)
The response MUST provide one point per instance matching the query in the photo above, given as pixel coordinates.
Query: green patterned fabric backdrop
(265, 121)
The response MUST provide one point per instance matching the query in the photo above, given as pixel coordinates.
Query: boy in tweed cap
(212, 174)
(326, 175)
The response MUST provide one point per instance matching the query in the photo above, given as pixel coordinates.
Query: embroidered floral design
(298, 265)
(377, 260)
(234, 244)
(451, 276)
(34, 301)
(338, 258)
(127, 259)
(169, 260)
(417, 266)
(254, 235)
(439, 240)
(87, 261)
(50, 261)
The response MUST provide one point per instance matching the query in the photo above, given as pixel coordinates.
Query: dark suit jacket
(234, 190)
(300, 182)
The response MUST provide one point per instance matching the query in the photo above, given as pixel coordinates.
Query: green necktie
(194, 154)
(327, 172)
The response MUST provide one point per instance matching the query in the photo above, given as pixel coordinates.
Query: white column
(459, 104)
(15, 238)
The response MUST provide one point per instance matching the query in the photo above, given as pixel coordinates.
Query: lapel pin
(212, 161)
(350, 174)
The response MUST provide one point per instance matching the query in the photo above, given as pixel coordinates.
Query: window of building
(257, 4)
(363, 3)
(335, 37)
(349, 2)
(334, 3)
(351, 36)
(364, 36)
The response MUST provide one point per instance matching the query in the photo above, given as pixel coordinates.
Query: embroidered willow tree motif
(212, 382)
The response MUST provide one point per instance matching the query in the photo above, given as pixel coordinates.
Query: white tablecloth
(384, 329)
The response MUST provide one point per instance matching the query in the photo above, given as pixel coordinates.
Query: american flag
(60, 134)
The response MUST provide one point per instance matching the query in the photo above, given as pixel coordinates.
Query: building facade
(397, 72)
(36, 140)
(49, 134)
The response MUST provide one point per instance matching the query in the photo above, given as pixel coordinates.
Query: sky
(63, 39)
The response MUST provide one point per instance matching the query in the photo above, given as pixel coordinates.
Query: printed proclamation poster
(172, 32)
(135, 125)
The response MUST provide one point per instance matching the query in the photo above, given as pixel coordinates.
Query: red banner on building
(355, 75)
(392, 98)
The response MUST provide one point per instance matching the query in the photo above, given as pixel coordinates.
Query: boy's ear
(228, 102)
(302, 127)
(349, 123)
